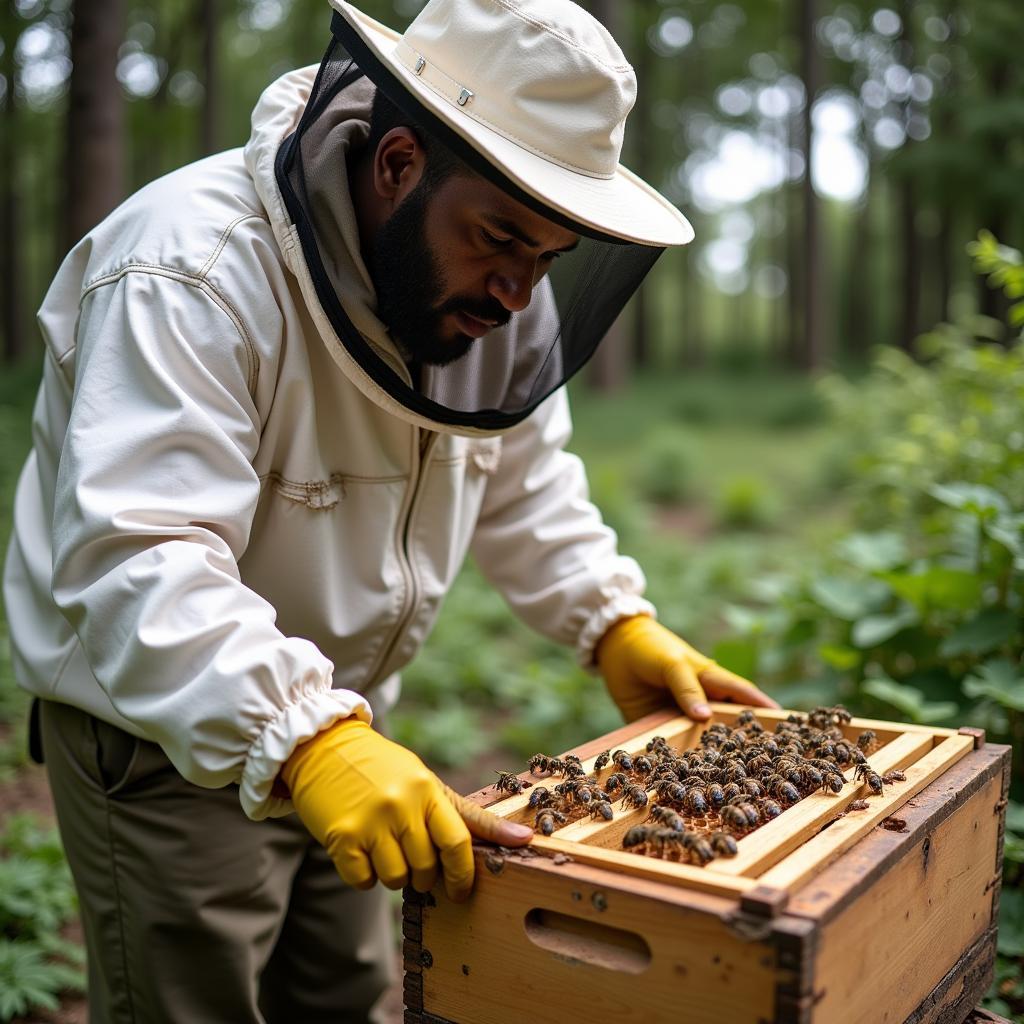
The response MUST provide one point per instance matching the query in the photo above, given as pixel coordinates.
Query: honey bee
(623, 760)
(541, 797)
(659, 745)
(601, 809)
(758, 763)
(539, 763)
(732, 790)
(601, 760)
(866, 739)
(667, 817)
(695, 802)
(752, 788)
(810, 778)
(749, 811)
(638, 835)
(698, 847)
(733, 818)
(634, 796)
(547, 819)
(768, 808)
(576, 790)
(782, 789)
(716, 796)
(872, 778)
(859, 805)
(573, 769)
(894, 776)
(834, 781)
(674, 792)
(843, 753)
(642, 765)
(723, 844)
(748, 720)
(509, 782)
(616, 781)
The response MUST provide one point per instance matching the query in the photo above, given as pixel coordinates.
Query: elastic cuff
(295, 724)
(624, 606)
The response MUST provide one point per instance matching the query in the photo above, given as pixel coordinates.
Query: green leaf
(999, 680)
(848, 599)
(988, 630)
(937, 587)
(909, 701)
(1011, 922)
(1015, 817)
(1008, 531)
(974, 498)
(839, 657)
(873, 552)
(1013, 849)
(873, 630)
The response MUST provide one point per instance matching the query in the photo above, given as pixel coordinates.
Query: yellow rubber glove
(647, 667)
(382, 814)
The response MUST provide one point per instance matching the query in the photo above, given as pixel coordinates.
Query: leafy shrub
(922, 619)
(37, 898)
(745, 502)
(666, 468)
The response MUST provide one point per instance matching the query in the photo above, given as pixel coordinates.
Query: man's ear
(398, 165)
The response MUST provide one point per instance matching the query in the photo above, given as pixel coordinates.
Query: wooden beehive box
(826, 916)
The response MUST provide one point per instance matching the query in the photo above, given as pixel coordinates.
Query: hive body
(825, 916)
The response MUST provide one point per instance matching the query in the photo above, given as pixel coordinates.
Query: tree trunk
(210, 134)
(639, 138)
(812, 255)
(609, 366)
(10, 257)
(860, 319)
(910, 242)
(95, 119)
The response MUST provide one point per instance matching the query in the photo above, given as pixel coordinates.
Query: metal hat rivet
(464, 97)
(420, 65)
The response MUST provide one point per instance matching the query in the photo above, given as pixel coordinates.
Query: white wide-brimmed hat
(541, 90)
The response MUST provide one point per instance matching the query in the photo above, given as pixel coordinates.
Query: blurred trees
(833, 157)
(94, 164)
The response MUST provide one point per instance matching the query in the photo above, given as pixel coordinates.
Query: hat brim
(623, 205)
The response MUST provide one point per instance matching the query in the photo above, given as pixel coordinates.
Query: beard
(410, 287)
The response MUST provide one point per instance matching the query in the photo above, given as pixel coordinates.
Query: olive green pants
(193, 913)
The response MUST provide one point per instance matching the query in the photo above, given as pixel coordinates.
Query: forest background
(808, 427)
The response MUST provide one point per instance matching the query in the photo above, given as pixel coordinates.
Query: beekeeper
(287, 389)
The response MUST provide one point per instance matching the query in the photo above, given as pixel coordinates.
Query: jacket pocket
(485, 454)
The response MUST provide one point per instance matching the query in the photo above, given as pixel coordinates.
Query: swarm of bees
(700, 801)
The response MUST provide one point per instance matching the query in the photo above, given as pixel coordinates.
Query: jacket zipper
(405, 561)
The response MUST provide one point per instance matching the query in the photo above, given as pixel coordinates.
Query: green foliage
(745, 503)
(1003, 265)
(666, 468)
(37, 898)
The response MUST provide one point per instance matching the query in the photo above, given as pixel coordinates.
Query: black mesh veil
(511, 370)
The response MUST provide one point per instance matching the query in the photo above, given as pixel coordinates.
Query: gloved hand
(647, 667)
(382, 814)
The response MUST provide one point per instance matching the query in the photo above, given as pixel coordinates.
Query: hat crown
(544, 74)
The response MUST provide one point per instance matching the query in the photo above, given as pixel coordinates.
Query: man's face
(455, 261)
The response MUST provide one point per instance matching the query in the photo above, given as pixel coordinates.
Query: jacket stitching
(223, 241)
(309, 491)
(185, 277)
